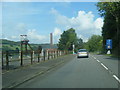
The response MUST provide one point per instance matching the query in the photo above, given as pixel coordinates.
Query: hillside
(12, 45)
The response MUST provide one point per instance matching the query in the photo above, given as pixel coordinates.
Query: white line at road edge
(101, 64)
(108, 70)
(116, 78)
(104, 66)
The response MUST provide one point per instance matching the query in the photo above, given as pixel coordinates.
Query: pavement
(13, 78)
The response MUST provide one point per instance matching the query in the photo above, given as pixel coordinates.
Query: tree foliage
(109, 7)
(68, 38)
(111, 28)
(94, 43)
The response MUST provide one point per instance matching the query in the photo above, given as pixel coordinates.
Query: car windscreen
(82, 51)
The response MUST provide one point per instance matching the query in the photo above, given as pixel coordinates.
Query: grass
(111, 55)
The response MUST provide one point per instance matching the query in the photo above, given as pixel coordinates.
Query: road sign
(108, 44)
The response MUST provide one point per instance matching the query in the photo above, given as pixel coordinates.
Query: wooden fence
(21, 58)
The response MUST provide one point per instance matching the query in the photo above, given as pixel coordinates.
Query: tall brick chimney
(51, 39)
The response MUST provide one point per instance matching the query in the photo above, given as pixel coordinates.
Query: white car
(82, 53)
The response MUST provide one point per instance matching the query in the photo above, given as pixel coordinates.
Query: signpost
(108, 45)
(73, 48)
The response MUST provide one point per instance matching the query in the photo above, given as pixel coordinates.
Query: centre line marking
(116, 78)
(98, 61)
(94, 58)
(104, 66)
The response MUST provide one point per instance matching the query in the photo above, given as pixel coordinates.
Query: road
(97, 71)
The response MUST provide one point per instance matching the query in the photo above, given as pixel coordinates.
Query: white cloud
(20, 28)
(54, 11)
(98, 23)
(83, 37)
(13, 37)
(56, 34)
(34, 37)
(68, 1)
(84, 23)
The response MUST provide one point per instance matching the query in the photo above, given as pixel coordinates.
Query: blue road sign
(108, 44)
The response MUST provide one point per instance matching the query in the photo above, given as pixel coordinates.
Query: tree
(79, 44)
(111, 28)
(112, 8)
(68, 38)
(94, 43)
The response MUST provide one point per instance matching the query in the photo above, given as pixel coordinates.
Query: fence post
(2, 60)
(48, 55)
(7, 60)
(38, 56)
(66, 52)
(21, 55)
(58, 52)
(51, 55)
(44, 55)
(54, 55)
(31, 57)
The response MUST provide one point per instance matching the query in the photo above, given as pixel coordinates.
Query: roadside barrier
(16, 59)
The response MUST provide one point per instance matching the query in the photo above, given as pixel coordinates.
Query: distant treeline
(11, 46)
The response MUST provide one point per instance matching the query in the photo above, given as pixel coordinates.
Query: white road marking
(108, 70)
(98, 61)
(116, 78)
(94, 58)
(104, 66)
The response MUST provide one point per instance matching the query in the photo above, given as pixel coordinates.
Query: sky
(38, 19)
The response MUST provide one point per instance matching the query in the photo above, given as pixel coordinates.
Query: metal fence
(16, 59)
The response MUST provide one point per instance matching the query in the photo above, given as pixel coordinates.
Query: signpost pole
(108, 46)
(73, 48)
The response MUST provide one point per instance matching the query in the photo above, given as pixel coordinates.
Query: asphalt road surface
(79, 73)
